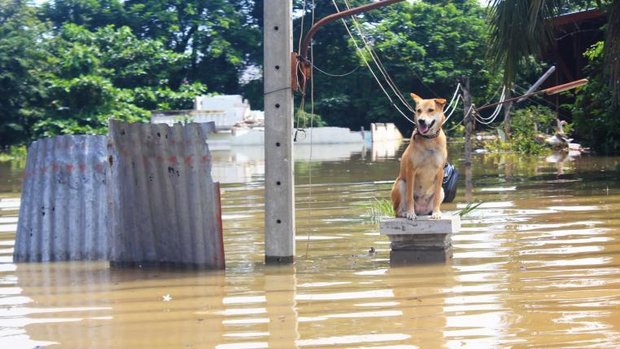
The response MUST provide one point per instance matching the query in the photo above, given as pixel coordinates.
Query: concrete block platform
(423, 233)
(420, 256)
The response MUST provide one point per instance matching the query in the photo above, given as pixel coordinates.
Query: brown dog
(417, 190)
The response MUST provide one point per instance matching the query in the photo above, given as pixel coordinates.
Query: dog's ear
(416, 98)
(440, 101)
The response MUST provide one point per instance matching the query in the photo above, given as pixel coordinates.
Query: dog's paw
(411, 216)
(436, 215)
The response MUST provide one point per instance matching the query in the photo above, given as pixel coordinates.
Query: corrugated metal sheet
(63, 213)
(164, 204)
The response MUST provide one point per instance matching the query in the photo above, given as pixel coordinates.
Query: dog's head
(429, 116)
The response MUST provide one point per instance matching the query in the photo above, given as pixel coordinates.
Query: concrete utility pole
(279, 179)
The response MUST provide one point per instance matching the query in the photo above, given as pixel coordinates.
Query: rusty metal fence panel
(164, 205)
(63, 213)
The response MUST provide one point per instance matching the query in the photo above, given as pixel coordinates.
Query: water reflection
(421, 256)
(242, 164)
(280, 293)
(38, 308)
(536, 265)
(11, 176)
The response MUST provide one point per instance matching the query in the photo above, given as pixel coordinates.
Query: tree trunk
(612, 50)
(507, 107)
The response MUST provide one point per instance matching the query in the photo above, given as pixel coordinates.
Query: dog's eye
(430, 110)
(419, 111)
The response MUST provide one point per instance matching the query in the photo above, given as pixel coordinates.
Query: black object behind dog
(450, 175)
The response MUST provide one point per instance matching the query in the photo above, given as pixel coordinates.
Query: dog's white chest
(428, 158)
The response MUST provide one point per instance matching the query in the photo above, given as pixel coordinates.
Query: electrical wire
(301, 27)
(359, 50)
(471, 108)
(380, 64)
(335, 75)
(490, 119)
(451, 108)
(311, 129)
(377, 60)
(456, 92)
(449, 113)
(451, 105)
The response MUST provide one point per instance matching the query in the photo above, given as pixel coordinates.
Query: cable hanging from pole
(305, 67)
(335, 75)
(376, 59)
(548, 91)
(456, 93)
(359, 50)
(449, 112)
(453, 102)
(490, 119)
(455, 97)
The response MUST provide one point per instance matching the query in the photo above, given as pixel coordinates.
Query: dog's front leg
(438, 195)
(410, 201)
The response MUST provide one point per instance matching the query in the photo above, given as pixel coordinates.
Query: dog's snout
(422, 122)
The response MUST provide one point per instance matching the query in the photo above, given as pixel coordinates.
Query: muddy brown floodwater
(538, 265)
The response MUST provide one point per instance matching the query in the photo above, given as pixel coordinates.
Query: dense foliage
(596, 118)
(22, 87)
(528, 124)
(66, 66)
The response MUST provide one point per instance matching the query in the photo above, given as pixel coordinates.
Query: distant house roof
(579, 18)
(574, 34)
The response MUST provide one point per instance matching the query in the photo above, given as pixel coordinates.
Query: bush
(527, 124)
(304, 120)
(531, 120)
(595, 116)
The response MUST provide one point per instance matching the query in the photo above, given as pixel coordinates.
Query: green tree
(108, 73)
(131, 62)
(595, 119)
(221, 37)
(91, 14)
(22, 62)
(436, 43)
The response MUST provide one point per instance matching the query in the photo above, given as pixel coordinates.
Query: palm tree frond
(518, 29)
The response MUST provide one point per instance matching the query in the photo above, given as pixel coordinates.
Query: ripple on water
(537, 265)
